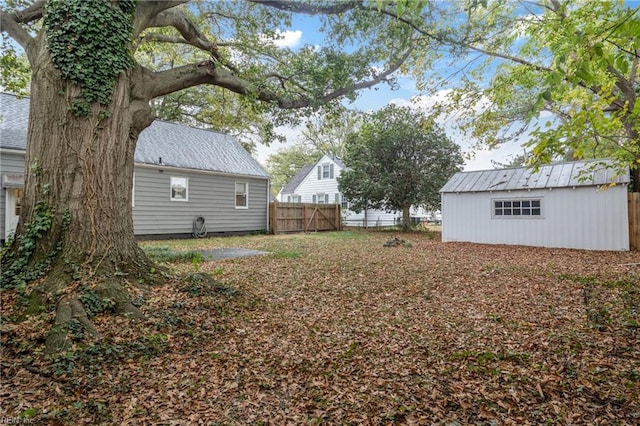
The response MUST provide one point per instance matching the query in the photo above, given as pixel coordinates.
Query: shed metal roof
(165, 143)
(570, 174)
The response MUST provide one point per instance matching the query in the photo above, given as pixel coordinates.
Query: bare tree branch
(31, 13)
(163, 38)
(146, 11)
(310, 7)
(191, 34)
(10, 24)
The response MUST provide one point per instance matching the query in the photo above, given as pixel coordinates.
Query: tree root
(72, 317)
(69, 309)
(114, 291)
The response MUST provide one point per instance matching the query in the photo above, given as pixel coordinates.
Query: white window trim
(520, 216)
(324, 196)
(326, 166)
(182, 200)
(246, 194)
(330, 171)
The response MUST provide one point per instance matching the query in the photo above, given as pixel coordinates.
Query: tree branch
(309, 8)
(146, 12)
(31, 13)
(191, 34)
(163, 38)
(154, 84)
(10, 24)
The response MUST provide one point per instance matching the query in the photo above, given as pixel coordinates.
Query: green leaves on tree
(89, 43)
(397, 159)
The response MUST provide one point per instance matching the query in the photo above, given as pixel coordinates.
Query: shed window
(242, 195)
(517, 208)
(179, 188)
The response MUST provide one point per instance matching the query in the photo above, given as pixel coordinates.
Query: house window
(517, 208)
(179, 188)
(321, 198)
(242, 195)
(325, 171)
(296, 198)
(345, 204)
(337, 199)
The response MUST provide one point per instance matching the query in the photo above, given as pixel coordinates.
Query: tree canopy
(564, 74)
(399, 158)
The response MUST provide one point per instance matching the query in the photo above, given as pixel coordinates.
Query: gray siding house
(580, 205)
(181, 174)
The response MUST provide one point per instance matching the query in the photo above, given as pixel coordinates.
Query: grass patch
(167, 254)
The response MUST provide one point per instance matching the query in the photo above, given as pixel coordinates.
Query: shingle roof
(191, 148)
(175, 144)
(570, 174)
(337, 160)
(296, 180)
(14, 116)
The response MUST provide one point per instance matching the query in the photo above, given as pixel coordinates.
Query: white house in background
(317, 183)
(568, 205)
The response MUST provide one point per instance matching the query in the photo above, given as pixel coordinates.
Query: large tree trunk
(80, 169)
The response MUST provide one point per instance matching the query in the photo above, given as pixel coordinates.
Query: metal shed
(580, 204)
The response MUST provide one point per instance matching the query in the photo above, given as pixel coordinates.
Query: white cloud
(286, 38)
(292, 135)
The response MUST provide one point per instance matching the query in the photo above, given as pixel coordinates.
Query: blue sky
(304, 31)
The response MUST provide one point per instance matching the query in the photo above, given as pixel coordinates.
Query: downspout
(268, 203)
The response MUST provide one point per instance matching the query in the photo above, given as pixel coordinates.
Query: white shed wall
(581, 218)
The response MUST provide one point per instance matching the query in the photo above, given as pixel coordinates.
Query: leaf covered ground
(334, 328)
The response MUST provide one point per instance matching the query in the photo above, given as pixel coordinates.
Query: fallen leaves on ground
(334, 328)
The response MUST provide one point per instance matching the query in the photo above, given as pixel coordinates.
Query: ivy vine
(89, 43)
(18, 274)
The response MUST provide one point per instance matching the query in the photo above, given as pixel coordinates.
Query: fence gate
(304, 217)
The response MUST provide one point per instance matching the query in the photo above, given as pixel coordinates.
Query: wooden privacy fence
(634, 220)
(304, 217)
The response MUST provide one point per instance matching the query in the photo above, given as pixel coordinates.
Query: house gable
(321, 181)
